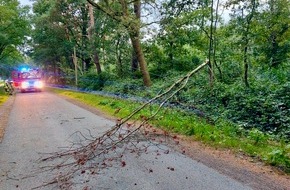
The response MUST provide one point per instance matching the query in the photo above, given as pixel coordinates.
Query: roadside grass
(223, 134)
(3, 96)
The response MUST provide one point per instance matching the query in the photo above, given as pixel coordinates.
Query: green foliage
(14, 28)
(263, 106)
(93, 81)
(51, 44)
(278, 155)
(273, 42)
(260, 107)
(258, 137)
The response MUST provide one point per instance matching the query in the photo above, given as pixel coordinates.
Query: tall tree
(91, 33)
(275, 32)
(51, 46)
(14, 27)
(244, 14)
(199, 17)
(127, 13)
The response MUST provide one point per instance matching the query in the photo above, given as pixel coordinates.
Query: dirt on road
(237, 166)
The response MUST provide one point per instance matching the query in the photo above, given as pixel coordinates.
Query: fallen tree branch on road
(94, 154)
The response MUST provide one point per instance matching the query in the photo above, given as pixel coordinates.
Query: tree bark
(135, 39)
(246, 66)
(247, 41)
(91, 38)
(75, 61)
(211, 47)
(119, 59)
(97, 62)
(134, 62)
(171, 53)
(215, 44)
(141, 59)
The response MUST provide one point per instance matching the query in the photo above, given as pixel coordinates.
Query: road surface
(44, 122)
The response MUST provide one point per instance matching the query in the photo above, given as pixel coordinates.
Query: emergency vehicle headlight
(38, 84)
(24, 85)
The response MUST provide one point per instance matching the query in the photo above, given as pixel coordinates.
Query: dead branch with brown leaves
(96, 153)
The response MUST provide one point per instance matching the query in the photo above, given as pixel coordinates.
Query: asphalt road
(43, 122)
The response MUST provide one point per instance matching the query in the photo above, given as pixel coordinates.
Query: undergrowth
(223, 134)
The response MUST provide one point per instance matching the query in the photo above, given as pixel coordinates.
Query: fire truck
(27, 79)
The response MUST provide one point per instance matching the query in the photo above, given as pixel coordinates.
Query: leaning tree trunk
(134, 32)
(141, 59)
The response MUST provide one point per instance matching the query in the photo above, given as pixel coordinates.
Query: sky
(25, 2)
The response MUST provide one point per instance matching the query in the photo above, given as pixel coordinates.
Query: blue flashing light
(23, 69)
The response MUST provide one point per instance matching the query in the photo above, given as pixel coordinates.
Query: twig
(114, 143)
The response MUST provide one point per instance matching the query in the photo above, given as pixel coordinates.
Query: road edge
(5, 110)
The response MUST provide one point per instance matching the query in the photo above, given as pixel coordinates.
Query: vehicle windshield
(31, 74)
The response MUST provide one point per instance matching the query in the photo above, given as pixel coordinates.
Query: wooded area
(141, 47)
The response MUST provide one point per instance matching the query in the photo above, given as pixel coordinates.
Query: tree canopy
(14, 33)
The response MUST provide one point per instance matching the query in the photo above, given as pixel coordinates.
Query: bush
(125, 86)
(267, 110)
(265, 106)
(93, 81)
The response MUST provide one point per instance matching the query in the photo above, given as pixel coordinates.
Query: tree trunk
(134, 63)
(92, 41)
(119, 59)
(141, 59)
(75, 61)
(215, 44)
(274, 51)
(247, 41)
(97, 62)
(211, 47)
(171, 53)
(246, 66)
(219, 69)
(134, 32)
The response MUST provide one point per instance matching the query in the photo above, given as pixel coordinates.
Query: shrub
(93, 81)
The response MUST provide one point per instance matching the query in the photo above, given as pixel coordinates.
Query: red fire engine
(27, 79)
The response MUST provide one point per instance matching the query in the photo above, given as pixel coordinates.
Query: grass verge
(3, 112)
(3, 96)
(223, 134)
